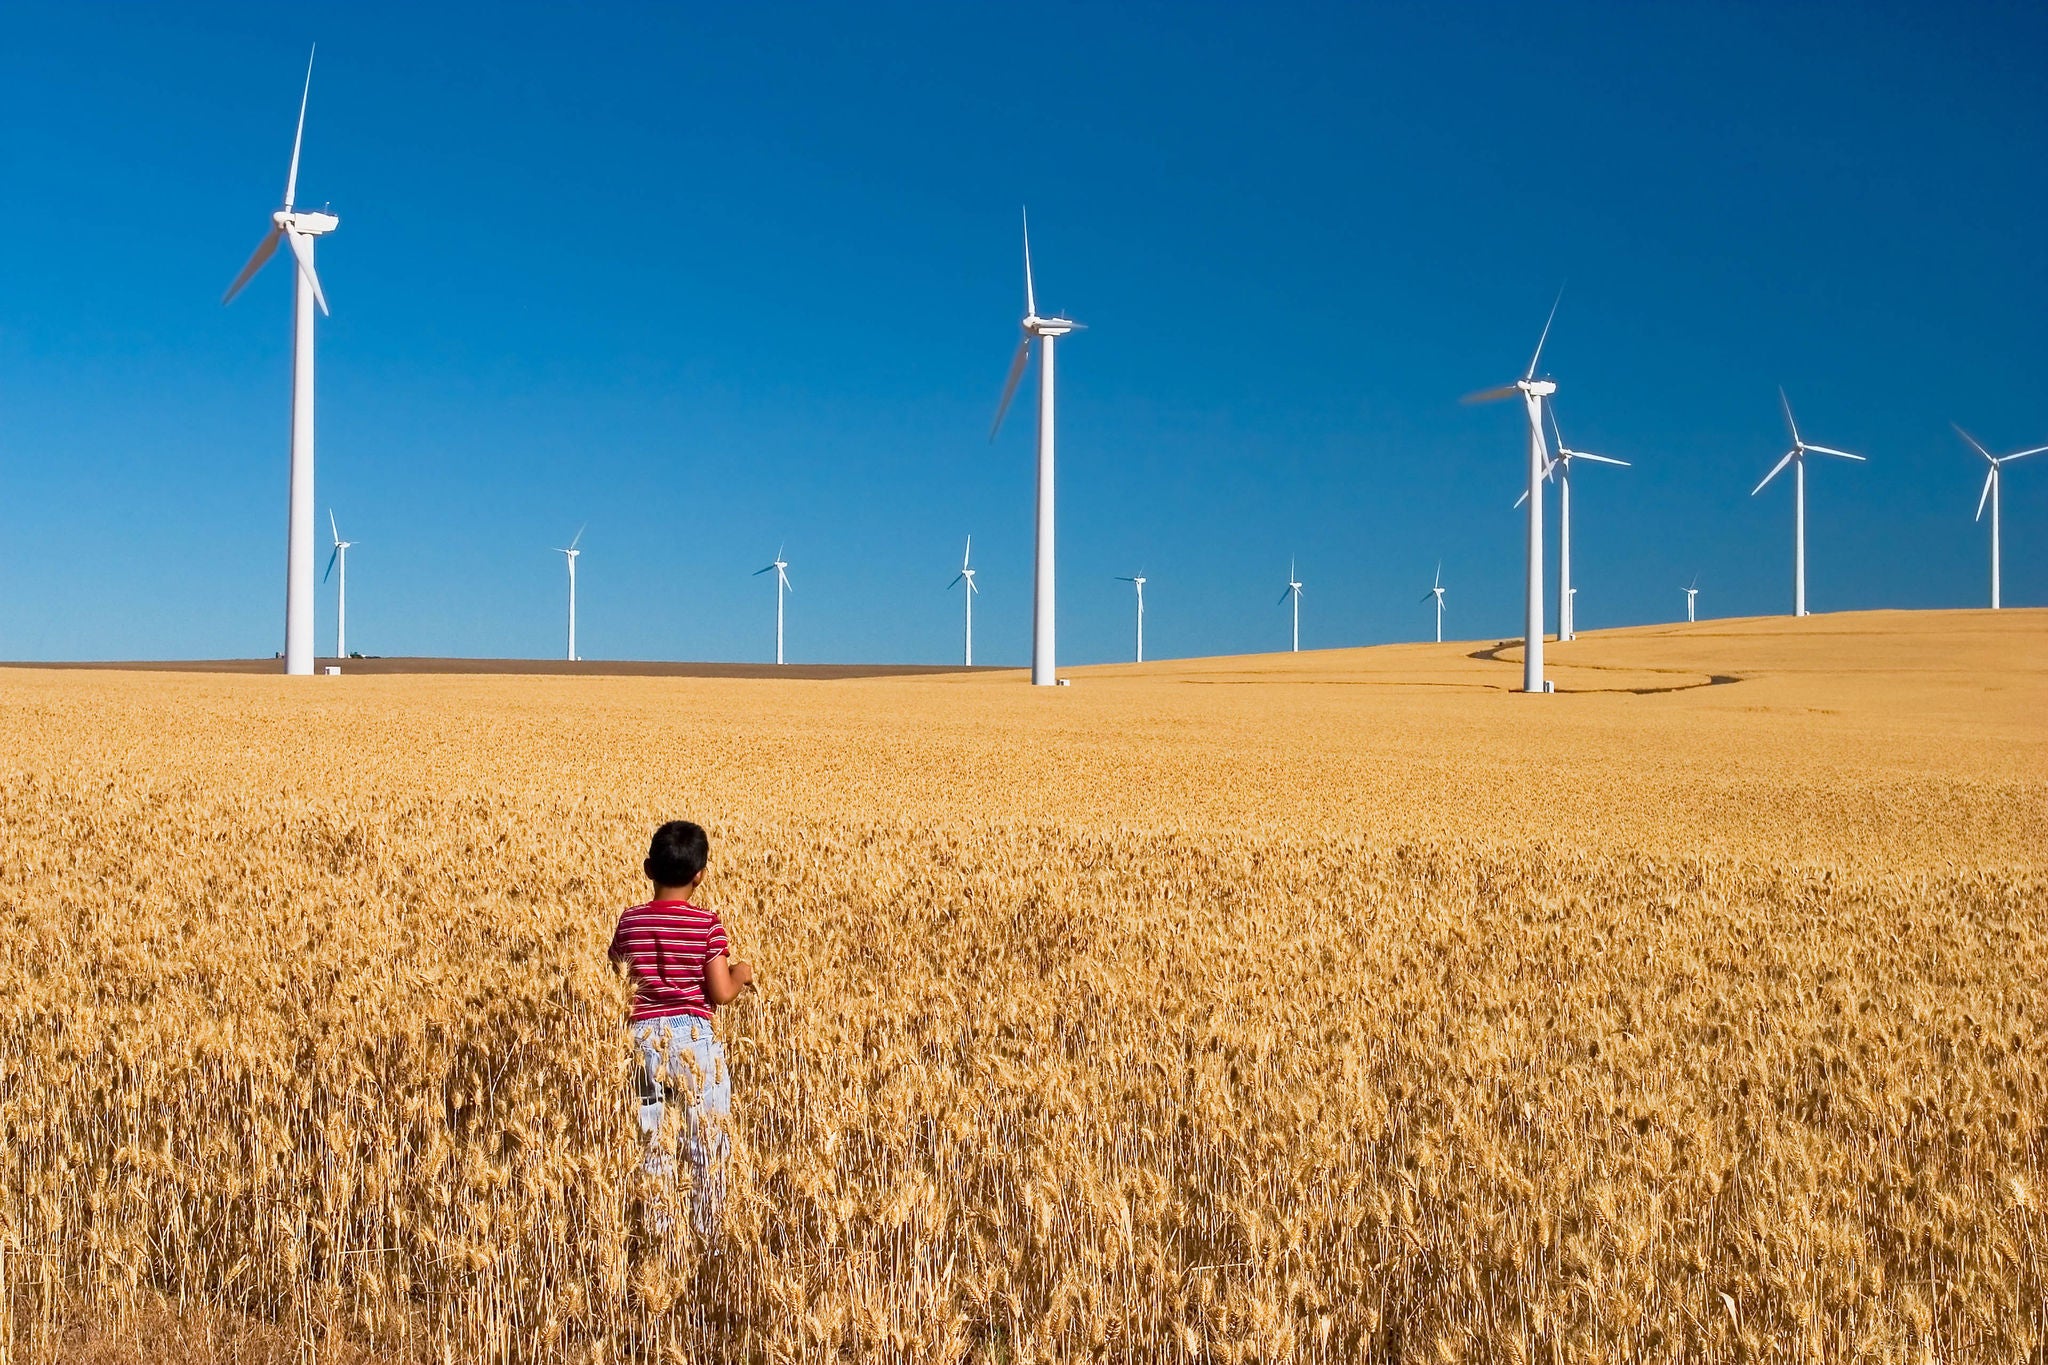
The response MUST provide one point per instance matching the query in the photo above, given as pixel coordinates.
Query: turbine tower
(1567, 626)
(1044, 331)
(569, 552)
(297, 230)
(1691, 596)
(339, 560)
(966, 575)
(1796, 457)
(1138, 581)
(1294, 591)
(1438, 593)
(1992, 480)
(780, 566)
(1532, 392)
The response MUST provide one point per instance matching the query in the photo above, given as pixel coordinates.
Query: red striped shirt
(665, 946)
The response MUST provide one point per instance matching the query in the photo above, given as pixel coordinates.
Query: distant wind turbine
(1796, 457)
(780, 566)
(1992, 479)
(1691, 596)
(1294, 591)
(297, 230)
(966, 575)
(1438, 593)
(1532, 392)
(569, 553)
(1138, 581)
(1045, 331)
(339, 561)
(1567, 625)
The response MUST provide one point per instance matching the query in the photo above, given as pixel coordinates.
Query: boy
(676, 955)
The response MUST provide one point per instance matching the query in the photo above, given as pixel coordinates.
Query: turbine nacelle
(305, 224)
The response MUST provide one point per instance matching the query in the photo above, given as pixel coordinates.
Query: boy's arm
(725, 979)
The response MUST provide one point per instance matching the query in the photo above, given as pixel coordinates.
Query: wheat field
(1340, 1006)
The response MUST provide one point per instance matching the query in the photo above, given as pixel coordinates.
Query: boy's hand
(743, 974)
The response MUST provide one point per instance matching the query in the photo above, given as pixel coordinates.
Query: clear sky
(718, 278)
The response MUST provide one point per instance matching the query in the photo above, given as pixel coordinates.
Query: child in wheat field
(676, 954)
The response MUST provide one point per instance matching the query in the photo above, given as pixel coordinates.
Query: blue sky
(714, 279)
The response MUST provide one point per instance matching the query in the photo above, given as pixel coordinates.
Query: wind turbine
(570, 552)
(1567, 627)
(1045, 331)
(339, 560)
(1991, 484)
(1294, 591)
(1532, 392)
(1438, 593)
(297, 230)
(1796, 457)
(1691, 596)
(781, 582)
(1138, 581)
(966, 575)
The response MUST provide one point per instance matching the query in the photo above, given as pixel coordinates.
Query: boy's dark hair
(677, 853)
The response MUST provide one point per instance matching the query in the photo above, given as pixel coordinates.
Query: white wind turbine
(1045, 331)
(966, 575)
(1992, 480)
(569, 553)
(1691, 597)
(339, 561)
(1532, 392)
(297, 230)
(1438, 593)
(1796, 457)
(1294, 591)
(780, 566)
(1138, 581)
(1567, 626)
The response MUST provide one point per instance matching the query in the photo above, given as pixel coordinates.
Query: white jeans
(682, 1065)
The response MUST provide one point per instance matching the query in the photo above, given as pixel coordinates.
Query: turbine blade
(302, 248)
(1492, 395)
(1546, 333)
(291, 180)
(265, 249)
(1990, 478)
(1788, 414)
(330, 564)
(1830, 450)
(1975, 444)
(1285, 594)
(1521, 497)
(1776, 469)
(2022, 454)
(967, 554)
(1030, 299)
(768, 568)
(786, 583)
(332, 527)
(958, 579)
(1599, 459)
(579, 535)
(1010, 384)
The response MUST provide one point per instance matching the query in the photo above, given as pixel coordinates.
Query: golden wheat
(1324, 1008)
